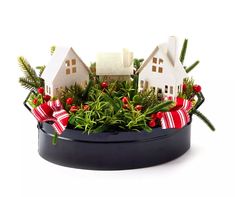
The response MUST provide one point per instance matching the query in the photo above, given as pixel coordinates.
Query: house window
(67, 63)
(74, 70)
(67, 71)
(146, 85)
(166, 89)
(49, 90)
(154, 60)
(141, 83)
(154, 68)
(73, 61)
(160, 61)
(160, 69)
(171, 89)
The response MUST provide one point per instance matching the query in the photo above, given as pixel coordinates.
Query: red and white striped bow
(178, 116)
(52, 111)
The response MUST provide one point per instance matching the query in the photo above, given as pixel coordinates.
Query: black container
(113, 150)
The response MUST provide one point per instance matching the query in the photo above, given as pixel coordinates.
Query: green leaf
(26, 83)
(190, 68)
(29, 72)
(41, 69)
(54, 139)
(183, 51)
(159, 107)
(52, 49)
(204, 119)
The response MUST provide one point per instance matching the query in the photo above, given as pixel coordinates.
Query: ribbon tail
(62, 118)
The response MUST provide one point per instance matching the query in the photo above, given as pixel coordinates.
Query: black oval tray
(113, 150)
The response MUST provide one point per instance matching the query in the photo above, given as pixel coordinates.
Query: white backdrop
(29, 28)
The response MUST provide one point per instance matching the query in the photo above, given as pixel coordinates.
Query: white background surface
(29, 28)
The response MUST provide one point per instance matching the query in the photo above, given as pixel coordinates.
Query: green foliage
(52, 49)
(30, 79)
(107, 112)
(137, 63)
(182, 57)
(186, 94)
(204, 119)
(75, 91)
(183, 51)
(54, 138)
(188, 69)
(35, 96)
(41, 69)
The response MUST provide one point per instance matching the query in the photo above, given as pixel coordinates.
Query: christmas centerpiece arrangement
(119, 113)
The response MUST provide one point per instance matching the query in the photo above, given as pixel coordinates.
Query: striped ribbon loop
(178, 116)
(52, 111)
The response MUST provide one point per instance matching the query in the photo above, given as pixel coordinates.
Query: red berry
(46, 97)
(153, 116)
(69, 101)
(138, 107)
(170, 98)
(73, 109)
(197, 88)
(125, 99)
(35, 101)
(86, 107)
(125, 106)
(41, 90)
(184, 87)
(152, 123)
(158, 115)
(104, 85)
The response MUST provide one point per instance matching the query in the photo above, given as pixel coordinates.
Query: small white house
(64, 69)
(162, 71)
(114, 66)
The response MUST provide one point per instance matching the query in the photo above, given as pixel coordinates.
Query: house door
(146, 85)
(159, 93)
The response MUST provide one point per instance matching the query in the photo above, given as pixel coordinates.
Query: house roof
(176, 69)
(56, 62)
(162, 47)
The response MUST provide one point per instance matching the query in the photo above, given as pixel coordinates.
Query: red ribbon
(178, 116)
(52, 111)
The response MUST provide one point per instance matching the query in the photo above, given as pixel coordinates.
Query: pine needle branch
(188, 69)
(25, 82)
(204, 119)
(29, 72)
(183, 50)
(52, 49)
(41, 69)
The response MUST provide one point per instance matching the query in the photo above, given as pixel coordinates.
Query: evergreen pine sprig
(137, 63)
(183, 51)
(31, 79)
(182, 57)
(204, 119)
(26, 83)
(52, 49)
(41, 69)
(188, 69)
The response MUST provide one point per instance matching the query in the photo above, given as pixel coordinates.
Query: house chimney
(172, 49)
(127, 57)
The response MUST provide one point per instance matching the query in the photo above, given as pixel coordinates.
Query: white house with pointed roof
(114, 65)
(162, 71)
(64, 69)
